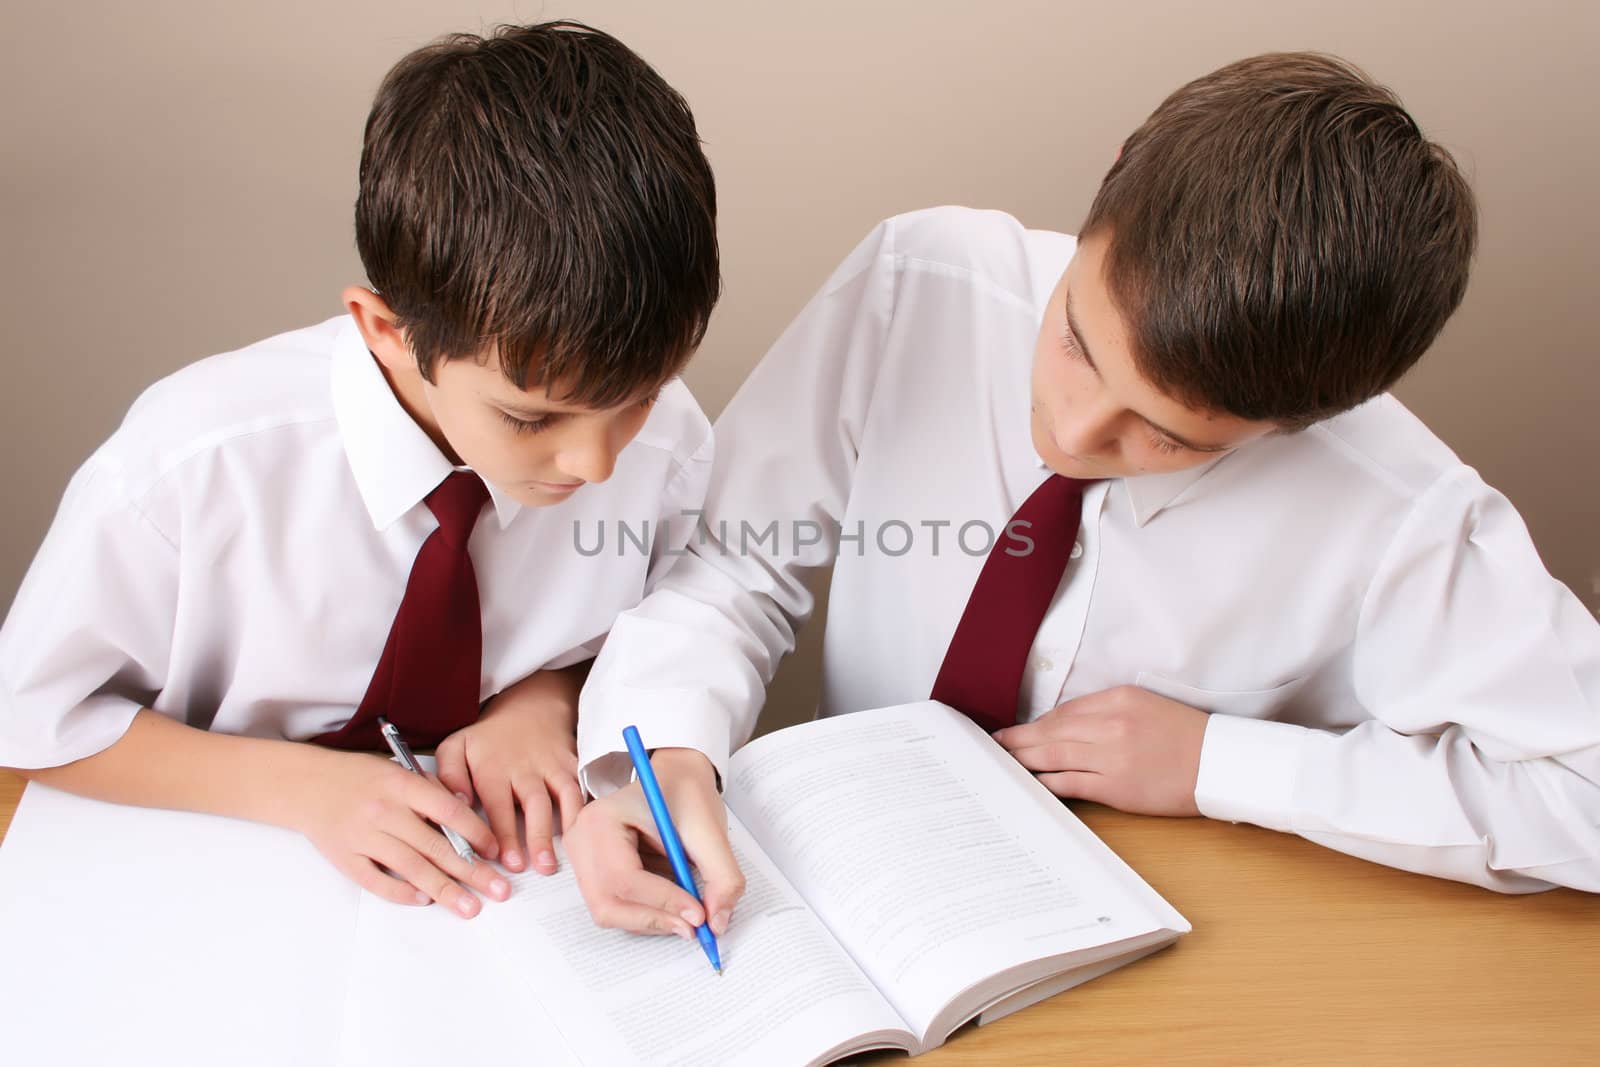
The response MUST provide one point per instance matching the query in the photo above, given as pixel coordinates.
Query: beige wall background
(178, 178)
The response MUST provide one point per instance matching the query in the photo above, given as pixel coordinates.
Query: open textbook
(905, 876)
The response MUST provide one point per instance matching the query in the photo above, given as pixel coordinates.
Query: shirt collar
(1149, 494)
(396, 465)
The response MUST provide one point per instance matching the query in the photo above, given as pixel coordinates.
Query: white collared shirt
(234, 555)
(1393, 672)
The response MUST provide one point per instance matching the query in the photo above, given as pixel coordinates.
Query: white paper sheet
(131, 936)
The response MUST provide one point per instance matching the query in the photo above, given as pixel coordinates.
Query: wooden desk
(1303, 956)
(10, 793)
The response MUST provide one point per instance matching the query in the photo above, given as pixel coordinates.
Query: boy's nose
(1086, 432)
(589, 461)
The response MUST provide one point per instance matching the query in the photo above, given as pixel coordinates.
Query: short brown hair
(1283, 241)
(543, 190)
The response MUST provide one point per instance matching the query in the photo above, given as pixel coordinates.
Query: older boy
(1140, 504)
(371, 517)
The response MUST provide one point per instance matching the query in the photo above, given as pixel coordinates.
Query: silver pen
(402, 752)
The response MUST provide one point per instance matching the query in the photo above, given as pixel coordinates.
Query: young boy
(372, 517)
(1140, 504)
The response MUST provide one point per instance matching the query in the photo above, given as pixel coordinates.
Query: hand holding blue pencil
(669, 835)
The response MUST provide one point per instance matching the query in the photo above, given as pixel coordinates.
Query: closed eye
(527, 426)
(1166, 445)
(1069, 344)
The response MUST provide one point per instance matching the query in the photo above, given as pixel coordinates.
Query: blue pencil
(669, 836)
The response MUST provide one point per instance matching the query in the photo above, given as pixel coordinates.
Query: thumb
(451, 756)
(722, 883)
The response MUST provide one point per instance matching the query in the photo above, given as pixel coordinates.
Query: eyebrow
(1077, 339)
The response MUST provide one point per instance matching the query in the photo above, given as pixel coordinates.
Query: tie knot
(1060, 483)
(455, 502)
(1057, 500)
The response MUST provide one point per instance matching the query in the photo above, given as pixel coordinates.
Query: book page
(139, 936)
(934, 862)
(788, 993)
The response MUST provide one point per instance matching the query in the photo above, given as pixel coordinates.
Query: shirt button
(1043, 663)
(1077, 549)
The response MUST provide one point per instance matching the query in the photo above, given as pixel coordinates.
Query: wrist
(561, 685)
(263, 796)
(684, 764)
(545, 691)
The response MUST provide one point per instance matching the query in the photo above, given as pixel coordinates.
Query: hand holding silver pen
(377, 820)
(402, 752)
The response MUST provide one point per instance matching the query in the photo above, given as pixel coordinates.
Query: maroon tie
(427, 678)
(982, 669)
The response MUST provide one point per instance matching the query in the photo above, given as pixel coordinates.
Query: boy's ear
(376, 321)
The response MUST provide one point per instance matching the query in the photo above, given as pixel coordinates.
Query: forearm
(689, 666)
(1435, 805)
(560, 686)
(162, 763)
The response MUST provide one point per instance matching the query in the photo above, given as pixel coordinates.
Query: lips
(557, 487)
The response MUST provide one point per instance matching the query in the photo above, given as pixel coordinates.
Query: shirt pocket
(1247, 703)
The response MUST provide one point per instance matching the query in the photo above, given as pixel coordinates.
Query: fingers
(1075, 720)
(536, 820)
(1028, 734)
(1081, 785)
(451, 756)
(499, 805)
(1061, 756)
(432, 866)
(647, 903)
(703, 826)
(430, 800)
(366, 874)
(569, 794)
(721, 893)
(423, 872)
(603, 848)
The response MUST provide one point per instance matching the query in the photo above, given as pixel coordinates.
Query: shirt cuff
(1248, 769)
(603, 763)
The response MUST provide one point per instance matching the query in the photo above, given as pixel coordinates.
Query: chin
(1073, 467)
(538, 494)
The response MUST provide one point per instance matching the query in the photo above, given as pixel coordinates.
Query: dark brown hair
(541, 189)
(1283, 241)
